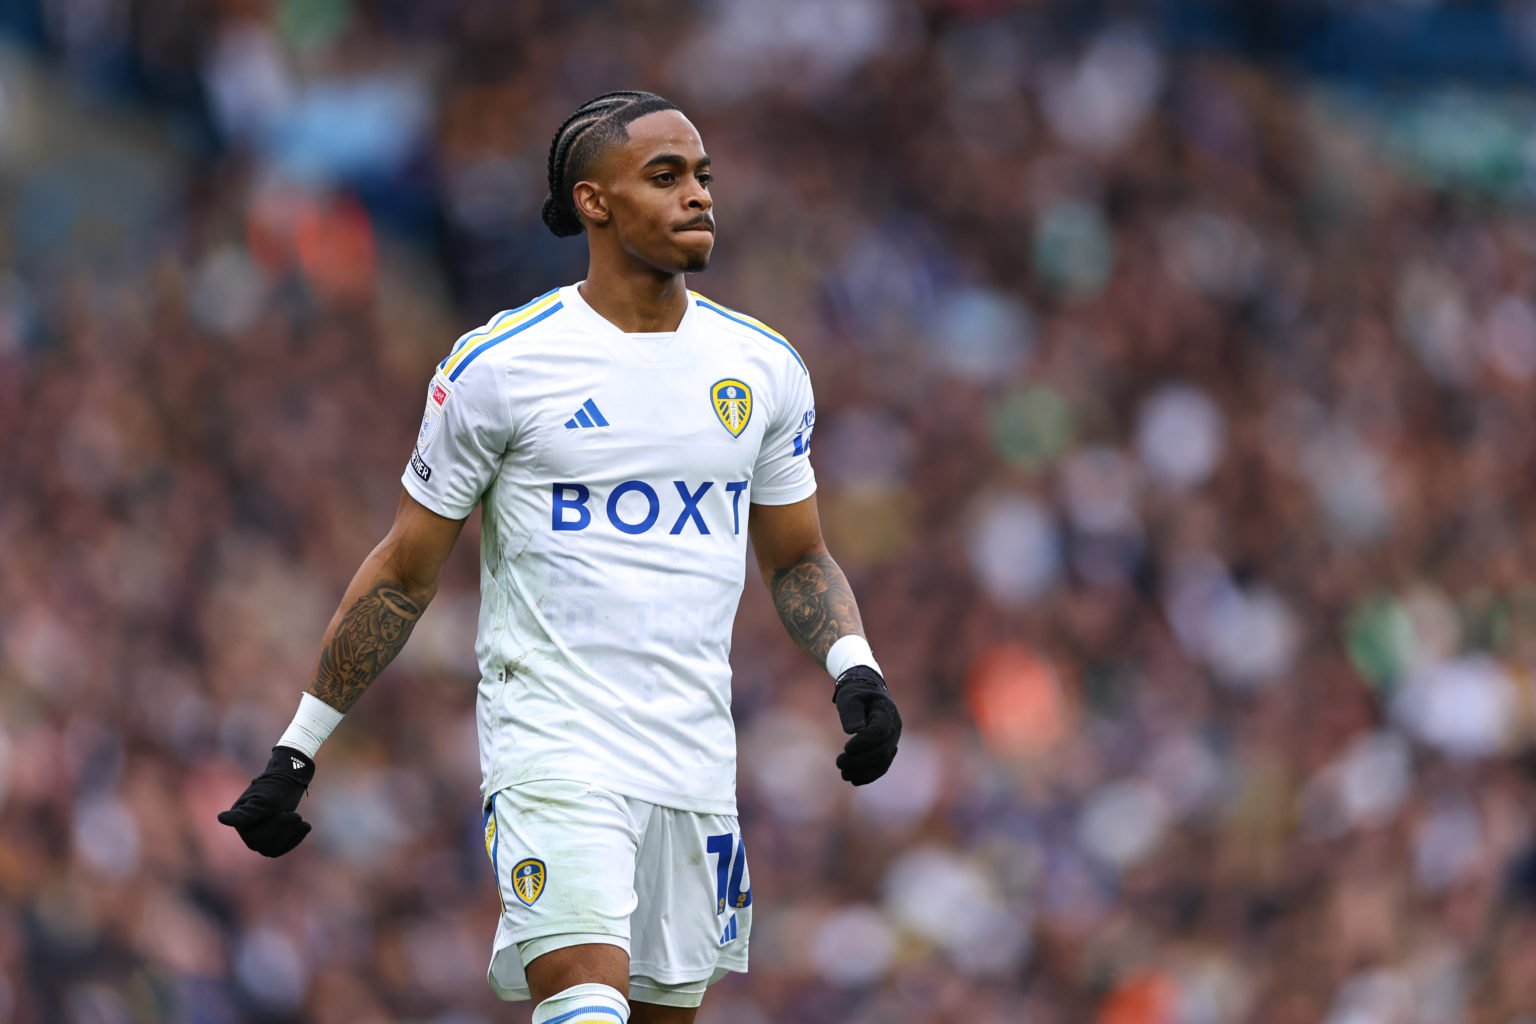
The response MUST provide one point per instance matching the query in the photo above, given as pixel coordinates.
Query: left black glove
(869, 715)
(266, 814)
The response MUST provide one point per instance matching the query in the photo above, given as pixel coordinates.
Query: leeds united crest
(528, 880)
(733, 404)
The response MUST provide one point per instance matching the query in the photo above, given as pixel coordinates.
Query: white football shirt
(615, 473)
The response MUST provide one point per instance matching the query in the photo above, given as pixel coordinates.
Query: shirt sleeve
(783, 473)
(464, 434)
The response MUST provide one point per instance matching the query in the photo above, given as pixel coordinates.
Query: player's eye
(664, 178)
(705, 178)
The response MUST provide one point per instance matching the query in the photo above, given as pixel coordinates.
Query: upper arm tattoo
(366, 639)
(815, 603)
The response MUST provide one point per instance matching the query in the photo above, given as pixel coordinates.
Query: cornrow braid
(595, 125)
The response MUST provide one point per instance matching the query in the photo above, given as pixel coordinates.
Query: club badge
(733, 404)
(528, 880)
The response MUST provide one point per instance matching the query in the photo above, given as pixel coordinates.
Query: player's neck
(636, 303)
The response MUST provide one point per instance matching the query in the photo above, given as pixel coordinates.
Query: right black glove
(264, 814)
(870, 718)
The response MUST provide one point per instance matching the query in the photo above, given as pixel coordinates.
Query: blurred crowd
(1177, 428)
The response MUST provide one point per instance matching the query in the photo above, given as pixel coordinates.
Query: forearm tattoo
(366, 639)
(815, 604)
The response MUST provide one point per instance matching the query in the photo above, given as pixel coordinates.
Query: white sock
(583, 1004)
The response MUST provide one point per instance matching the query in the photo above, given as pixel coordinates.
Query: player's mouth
(697, 224)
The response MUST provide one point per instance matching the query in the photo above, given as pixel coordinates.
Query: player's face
(659, 194)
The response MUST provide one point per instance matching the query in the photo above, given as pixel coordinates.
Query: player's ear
(591, 203)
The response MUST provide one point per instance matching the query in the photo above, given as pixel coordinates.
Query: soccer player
(624, 437)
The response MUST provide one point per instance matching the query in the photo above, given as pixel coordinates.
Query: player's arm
(387, 595)
(817, 607)
(810, 592)
(381, 607)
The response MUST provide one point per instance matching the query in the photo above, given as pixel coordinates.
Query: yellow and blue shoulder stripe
(501, 327)
(748, 321)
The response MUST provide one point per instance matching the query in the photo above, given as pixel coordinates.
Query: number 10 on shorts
(729, 872)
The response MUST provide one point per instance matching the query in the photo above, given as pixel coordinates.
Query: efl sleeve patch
(459, 445)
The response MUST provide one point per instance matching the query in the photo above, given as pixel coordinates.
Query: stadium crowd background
(1177, 380)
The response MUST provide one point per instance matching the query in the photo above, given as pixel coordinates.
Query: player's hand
(869, 715)
(264, 815)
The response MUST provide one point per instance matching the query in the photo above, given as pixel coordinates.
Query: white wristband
(311, 725)
(849, 651)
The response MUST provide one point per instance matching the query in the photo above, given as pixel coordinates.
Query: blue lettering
(572, 506)
(583, 518)
(736, 487)
(650, 516)
(721, 847)
(690, 506)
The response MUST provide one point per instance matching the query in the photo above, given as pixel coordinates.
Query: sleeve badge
(432, 418)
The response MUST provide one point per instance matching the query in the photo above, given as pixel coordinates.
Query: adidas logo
(587, 416)
(296, 762)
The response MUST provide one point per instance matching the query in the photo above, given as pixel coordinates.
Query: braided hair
(596, 124)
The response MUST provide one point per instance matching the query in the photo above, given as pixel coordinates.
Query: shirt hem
(657, 795)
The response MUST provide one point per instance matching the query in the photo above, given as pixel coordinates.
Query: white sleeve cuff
(312, 724)
(851, 650)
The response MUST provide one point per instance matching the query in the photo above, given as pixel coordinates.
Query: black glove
(264, 815)
(867, 712)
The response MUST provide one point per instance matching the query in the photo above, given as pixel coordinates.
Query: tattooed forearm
(815, 603)
(366, 639)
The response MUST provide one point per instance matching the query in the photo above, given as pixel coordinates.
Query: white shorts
(575, 864)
